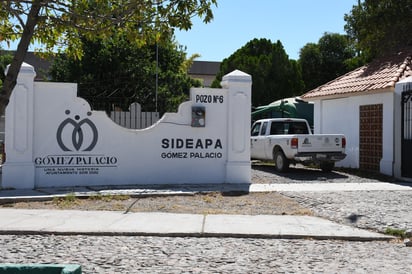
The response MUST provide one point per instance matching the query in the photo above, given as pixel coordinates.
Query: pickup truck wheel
(281, 162)
(327, 166)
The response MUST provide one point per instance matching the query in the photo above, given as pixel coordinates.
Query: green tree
(115, 71)
(331, 57)
(310, 60)
(62, 24)
(380, 26)
(335, 49)
(274, 75)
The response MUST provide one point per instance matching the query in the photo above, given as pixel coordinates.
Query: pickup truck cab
(289, 141)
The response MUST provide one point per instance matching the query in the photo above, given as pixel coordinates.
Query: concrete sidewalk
(185, 225)
(67, 222)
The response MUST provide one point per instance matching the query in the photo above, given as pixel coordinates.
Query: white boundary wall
(53, 139)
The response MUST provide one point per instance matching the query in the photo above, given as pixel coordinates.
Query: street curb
(200, 235)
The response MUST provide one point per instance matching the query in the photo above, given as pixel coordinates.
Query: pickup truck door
(257, 141)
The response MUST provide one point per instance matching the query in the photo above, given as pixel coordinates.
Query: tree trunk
(14, 68)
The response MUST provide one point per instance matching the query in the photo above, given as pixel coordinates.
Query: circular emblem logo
(77, 129)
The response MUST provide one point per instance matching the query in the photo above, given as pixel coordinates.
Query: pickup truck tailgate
(320, 143)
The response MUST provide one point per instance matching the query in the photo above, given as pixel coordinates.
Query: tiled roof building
(381, 74)
(372, 106)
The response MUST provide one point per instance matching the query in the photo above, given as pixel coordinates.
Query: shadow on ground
(301, 173)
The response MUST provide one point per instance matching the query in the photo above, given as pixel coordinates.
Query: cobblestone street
(207, 255)
(374, 210)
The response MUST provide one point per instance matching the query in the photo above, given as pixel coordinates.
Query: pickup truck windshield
(256, 129)
(280, 128)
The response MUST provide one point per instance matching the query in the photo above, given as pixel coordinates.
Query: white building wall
(342, 116)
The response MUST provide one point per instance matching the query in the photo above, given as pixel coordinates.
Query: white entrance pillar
(18, 170)
(239, 85)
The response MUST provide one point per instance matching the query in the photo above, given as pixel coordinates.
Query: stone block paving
(373, 210)
(121, 254)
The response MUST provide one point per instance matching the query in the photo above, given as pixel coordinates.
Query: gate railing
(406, 127)
(134, 118)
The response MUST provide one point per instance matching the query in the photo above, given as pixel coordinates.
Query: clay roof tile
(382, 73)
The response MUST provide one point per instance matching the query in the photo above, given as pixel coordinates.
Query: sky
(293, 22)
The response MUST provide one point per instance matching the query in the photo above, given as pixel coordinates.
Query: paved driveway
(377, 210)
(265, 173)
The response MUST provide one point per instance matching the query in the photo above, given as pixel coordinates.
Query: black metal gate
(406, 165)
(115, 99)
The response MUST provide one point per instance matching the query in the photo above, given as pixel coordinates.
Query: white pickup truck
(289, 141)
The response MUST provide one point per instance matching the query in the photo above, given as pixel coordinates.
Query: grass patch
(7, 205)
(67, 201)
(109, 197)
(396, 232)
(71, 201)
(207, 199)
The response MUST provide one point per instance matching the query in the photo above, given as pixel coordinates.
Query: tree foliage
(274, 75)
(331, 57)
(63, 23)
(310, 60)
(380, 26)
(116, 72)
(5, 59)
